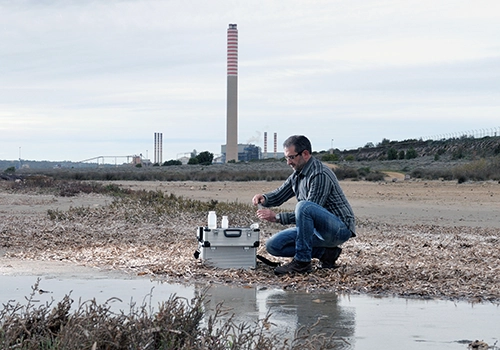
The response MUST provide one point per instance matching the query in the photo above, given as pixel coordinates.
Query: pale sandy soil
(415, 238)
(401, 202)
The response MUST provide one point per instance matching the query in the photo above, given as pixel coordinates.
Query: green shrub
(479, 170)
(411, 153)
(363, 171)
(205, 158)
(496, 150)
(346, 173)
(459, 153)
(392, 154)
(172, 162)
(329, 157)
(432, 174)
(375, 176)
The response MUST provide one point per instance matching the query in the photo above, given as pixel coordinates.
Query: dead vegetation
(153, 233)
(178, 324)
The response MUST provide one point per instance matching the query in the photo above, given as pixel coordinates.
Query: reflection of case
(240, 303)
(228, 248)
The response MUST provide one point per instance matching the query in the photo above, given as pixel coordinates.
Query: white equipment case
(228, 247)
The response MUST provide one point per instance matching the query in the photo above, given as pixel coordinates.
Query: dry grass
(154, 233)
(178, 324)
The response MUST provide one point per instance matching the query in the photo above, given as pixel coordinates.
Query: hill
(445, 150)
(461, 159)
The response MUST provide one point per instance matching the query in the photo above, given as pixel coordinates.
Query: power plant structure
(265, 145)
(275, 145)
(248, 152)
(158, 149)
(232, 151)
(275, 155)
(232, 95)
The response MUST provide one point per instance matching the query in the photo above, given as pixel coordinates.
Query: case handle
(232, 233)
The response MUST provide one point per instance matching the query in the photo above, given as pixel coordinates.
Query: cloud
(82, 78)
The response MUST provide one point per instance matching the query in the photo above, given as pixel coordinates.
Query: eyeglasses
(292, 157)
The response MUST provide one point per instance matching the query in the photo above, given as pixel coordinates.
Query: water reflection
(365, 322)
(129, 290)
(301, 310)
(290, 312)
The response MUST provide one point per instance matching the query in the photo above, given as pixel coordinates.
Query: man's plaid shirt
(315, 183)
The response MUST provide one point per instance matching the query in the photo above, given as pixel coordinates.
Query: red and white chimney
(232, 94)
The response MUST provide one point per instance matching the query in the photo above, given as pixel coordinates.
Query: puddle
(367, 322)
(362, 321)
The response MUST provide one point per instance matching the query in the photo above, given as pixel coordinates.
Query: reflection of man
(308, 314)
(323, 217)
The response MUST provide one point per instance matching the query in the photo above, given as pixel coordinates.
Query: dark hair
(300, 142)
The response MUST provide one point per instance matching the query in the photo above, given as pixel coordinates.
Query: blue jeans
(316, 229)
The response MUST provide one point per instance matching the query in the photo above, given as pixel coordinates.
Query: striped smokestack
(275, 145)
(232, 94)
(265, 144)
(158, 149)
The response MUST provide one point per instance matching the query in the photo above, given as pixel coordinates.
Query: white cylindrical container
(225, 222)
(212, 219)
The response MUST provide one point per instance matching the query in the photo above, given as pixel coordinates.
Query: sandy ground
(401, 202)
(427, 215)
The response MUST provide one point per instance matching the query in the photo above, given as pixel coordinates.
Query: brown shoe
(329, 257)
(293, 266)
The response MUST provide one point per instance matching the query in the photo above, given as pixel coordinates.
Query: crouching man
(323, 217)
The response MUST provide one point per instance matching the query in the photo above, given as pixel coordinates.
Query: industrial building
(246, 152)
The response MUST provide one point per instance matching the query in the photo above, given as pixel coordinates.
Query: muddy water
(359, 322)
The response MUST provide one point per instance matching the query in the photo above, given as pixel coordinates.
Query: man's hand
(266, 214)
(258, 199)
(263, 213)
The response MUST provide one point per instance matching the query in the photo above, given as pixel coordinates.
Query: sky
(81, 79)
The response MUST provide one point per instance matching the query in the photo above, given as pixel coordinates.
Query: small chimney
(275, 145)
(265, 144)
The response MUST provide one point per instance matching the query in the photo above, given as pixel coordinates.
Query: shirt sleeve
(280, 195)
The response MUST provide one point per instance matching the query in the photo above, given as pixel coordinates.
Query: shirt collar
(306, 169)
